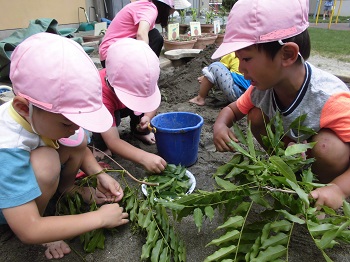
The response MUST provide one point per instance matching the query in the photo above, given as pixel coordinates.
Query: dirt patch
(177, 85)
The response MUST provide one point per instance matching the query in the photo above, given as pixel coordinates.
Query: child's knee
(329, 145)
(331, 153)
(46, 165)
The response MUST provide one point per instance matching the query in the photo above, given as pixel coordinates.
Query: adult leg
(156, 41)
(331, 155)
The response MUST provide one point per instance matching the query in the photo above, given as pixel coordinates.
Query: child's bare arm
(151, 162)
(31, 228)
(334, 193)
(142, 32)
(222, 132)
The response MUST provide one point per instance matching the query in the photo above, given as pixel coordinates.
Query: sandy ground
(177, 86)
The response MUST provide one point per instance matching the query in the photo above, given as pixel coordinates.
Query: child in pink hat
(271, 40)
(137, 20)
(57, 90)
(129, 84)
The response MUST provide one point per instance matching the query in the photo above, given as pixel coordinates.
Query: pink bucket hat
(132, 69)
(261, 21)
(55, 74)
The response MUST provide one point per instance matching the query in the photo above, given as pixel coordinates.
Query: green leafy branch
(279, 183)
(261, 194)
(151, 218)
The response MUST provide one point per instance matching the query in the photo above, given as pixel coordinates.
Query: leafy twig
(124, 170)
(272, 189)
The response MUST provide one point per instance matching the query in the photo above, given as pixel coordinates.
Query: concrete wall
(18, 13)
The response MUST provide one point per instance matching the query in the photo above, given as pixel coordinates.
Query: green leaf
(156, 251)
(225, 184)
(271, 253)
(133, 211)
(130, 203)
(171, 205)
(231, 235)
(145, 220)
(280, 225)
(250, 142)
(164, 255)
(151, 231)
(234, 222)
(259, 199)
(225, 169)
(346, 208)
(301, 193)
(279, 239)
(96, 238)
(283, 168)
(221, 253)
(331, 235)
(198, 218)
(72, 209)
(209, 212)
(238, 133)
(238, 148)
(317, 229)
(146, 251)
(298, 148)
(291, 217)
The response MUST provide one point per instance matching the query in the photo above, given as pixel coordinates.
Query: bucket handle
(152, 129)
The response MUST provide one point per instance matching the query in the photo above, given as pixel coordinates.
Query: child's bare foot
(56, 249)
(198, 101)
(148, 139)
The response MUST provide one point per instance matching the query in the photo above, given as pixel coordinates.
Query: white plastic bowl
(190, 190)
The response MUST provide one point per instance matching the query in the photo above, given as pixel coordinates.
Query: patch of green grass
(341, 19)
(330, 43)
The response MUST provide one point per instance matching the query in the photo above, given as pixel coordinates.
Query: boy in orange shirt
(271, 40)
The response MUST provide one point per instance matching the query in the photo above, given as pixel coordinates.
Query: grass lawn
(331, 43)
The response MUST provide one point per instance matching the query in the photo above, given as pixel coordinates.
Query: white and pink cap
(261, 21)
(133, 69)
(55, 74)
(176, 4)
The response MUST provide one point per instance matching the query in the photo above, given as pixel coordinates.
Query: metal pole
(316, 8)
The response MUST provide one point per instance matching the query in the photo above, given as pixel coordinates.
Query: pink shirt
(126, 23)
(109, 98)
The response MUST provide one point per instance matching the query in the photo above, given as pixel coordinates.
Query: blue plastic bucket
(177, 136)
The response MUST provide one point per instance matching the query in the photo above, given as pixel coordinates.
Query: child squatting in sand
(271, 40)
(57, 92)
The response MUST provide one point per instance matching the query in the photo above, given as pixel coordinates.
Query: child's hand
(223, 135)
(153, 163)
(330, 195)
(143, 125)
(112, 215)
(109, 187)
